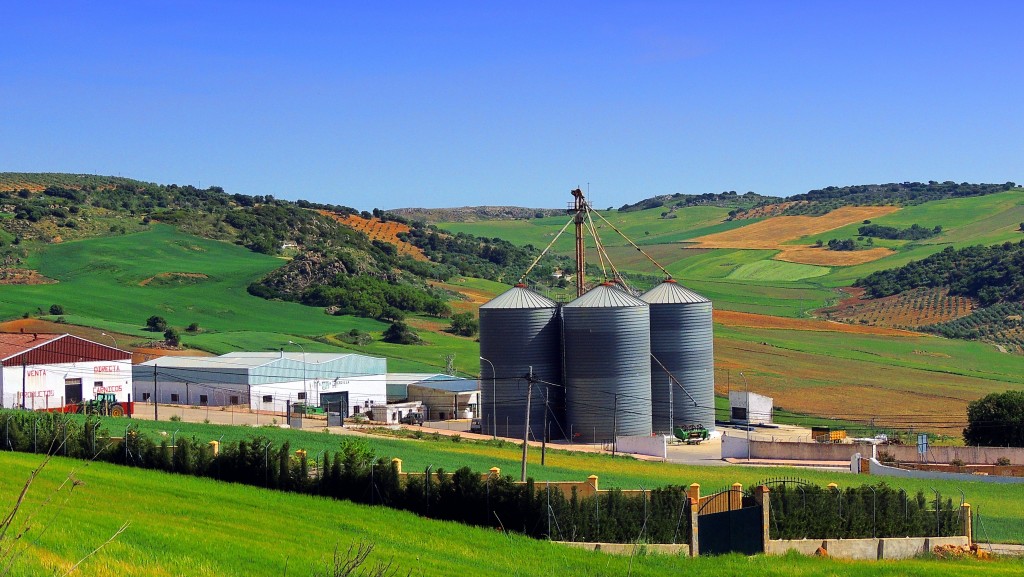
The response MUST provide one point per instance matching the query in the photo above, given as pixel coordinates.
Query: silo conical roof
(672, 293)
(519, 297)
(606, 296)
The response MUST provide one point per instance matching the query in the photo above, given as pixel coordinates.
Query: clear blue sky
(393, 104)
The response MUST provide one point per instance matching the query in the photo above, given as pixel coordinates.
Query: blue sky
(393, 104)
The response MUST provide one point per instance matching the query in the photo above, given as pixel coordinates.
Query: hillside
(474, 213)
(331, 248)
(988, 281)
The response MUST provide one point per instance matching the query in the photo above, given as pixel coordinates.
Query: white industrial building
(268, 381)
(47, 371)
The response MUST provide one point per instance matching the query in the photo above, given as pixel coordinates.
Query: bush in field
(156, 324)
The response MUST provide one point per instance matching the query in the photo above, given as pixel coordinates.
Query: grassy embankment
(185, 526)
(1001, 509)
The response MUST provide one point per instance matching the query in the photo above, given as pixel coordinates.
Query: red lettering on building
(111, 389)
(36, 372)
(107, 369)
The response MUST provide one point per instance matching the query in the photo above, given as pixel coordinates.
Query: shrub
(957, 462)
(171, 337)
(193, 328)
(1003, 461)
(156, 324)
(56, 309)
(400, 333)
(886, 457)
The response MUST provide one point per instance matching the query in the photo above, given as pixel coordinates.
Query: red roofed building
(45, 371)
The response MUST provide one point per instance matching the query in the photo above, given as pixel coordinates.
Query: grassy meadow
(1002, 510)
(185, 526)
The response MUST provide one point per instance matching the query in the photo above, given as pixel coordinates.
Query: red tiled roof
(16, 343)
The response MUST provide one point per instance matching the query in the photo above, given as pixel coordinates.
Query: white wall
(44, 384)
(655, 446)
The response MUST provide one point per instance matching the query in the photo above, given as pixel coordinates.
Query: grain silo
(681, 339)
(518, 330)
(606, 336)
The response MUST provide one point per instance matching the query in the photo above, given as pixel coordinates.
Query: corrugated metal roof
(309, 358)
(183, 362)
(46, 349)
(606, 296)
(12, 344)
(671, 292)
(448, 383)
(519, 297)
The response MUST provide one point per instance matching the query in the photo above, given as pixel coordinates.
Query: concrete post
(398, 464)
(736, 497)
(693, 492)
(694, 541)
(592, 485)
(764, 499)
(965, 514)
(215, 446)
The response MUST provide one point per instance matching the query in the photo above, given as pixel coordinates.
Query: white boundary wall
(654, 446)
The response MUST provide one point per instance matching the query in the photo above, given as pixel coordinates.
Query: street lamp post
(494, 425)
(305, 393)
(111, 338)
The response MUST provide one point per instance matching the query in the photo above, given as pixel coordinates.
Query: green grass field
(1002, 510)
(184, 526)
(777, 270)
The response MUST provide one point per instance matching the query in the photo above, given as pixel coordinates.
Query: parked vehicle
(475, 426)
(692, 434)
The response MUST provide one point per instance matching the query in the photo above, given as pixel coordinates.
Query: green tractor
(105, 404)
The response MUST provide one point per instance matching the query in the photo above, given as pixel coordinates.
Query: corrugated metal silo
(606, 335)
(681, 338)
(519, 329)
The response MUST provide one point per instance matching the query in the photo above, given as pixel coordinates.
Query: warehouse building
(44, 371)
(266, 381)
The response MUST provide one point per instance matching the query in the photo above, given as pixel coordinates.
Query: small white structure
(48, 371)
(746, 408)
(394, 413)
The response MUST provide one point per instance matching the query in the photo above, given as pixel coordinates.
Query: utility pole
(24, 378)
(526, 428)
(544, 433)
(615, 421)
(155, 403)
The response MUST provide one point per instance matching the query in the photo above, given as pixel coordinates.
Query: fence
(565, 511)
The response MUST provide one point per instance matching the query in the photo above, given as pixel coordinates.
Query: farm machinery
(104, 405)
(692, 434)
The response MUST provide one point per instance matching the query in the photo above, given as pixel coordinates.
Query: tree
(400, 333)
(56, 309)
(193, 328)
(1021, 228)
(172, 337)
(996, 420)
(464, 324)
(156, 324)
(818, 243)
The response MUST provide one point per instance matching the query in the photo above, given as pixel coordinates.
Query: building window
(268, 398)
(233, 399)
(302, 396)
(174, 397)
(145, 396)
(203, 399)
